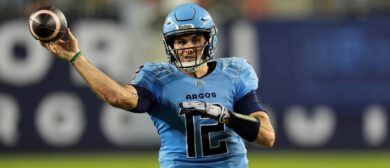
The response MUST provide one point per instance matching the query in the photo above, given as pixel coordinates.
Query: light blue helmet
(185, 19)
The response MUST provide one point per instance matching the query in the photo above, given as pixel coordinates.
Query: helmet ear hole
(169, 41)
(206, 36)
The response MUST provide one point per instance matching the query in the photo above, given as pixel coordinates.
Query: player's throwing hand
(64, 49)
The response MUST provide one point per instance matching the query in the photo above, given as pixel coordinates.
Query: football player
(202, 108)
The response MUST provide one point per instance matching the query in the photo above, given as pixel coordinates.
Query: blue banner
(333, 77)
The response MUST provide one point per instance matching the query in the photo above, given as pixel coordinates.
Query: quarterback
(203, 108)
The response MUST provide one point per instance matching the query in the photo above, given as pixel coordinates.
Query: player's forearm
(106, 88)
(266, 135)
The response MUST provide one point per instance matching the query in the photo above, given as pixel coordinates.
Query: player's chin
(188, 61)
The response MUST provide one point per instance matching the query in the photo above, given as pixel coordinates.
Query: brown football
(47, 24)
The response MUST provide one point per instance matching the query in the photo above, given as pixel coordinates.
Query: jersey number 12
(205, 130)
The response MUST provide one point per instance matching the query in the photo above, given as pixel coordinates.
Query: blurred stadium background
(324, 68)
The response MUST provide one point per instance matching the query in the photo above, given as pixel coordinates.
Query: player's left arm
(251, 111)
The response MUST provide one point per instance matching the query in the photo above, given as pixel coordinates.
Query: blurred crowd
(152, 12)
(143, 19)
(223, 9)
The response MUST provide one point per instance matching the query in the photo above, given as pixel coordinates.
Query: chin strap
(191, 70)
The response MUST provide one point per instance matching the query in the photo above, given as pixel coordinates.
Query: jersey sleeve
(248, 104)
(144, 78)
(144, 83)
(248, 80)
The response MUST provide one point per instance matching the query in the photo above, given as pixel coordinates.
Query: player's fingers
(70, 35)
(42, 44)
(73, 42)
(186, 104)
(194, 105)
(55, 47)
(61, 43)
(51, 47)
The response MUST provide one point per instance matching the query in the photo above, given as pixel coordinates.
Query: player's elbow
(266, 140)
(112, 98)
(117, 100)
(270, 141)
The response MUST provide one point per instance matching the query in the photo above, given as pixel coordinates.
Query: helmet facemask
(190, 66)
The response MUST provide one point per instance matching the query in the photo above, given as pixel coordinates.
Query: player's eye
(180, 42)
(196, 40)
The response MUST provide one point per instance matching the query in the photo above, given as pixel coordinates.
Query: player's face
(189, 48)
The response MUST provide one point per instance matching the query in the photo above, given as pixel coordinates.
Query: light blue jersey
(194, 141)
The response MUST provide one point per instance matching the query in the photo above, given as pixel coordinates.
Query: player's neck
(202, 71)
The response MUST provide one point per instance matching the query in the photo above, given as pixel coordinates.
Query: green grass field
(149, 160)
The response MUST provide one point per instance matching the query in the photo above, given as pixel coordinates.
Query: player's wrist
(75, 57)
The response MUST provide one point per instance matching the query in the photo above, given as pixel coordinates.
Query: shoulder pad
(159, 70)
(233, 65)
(242, 73)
